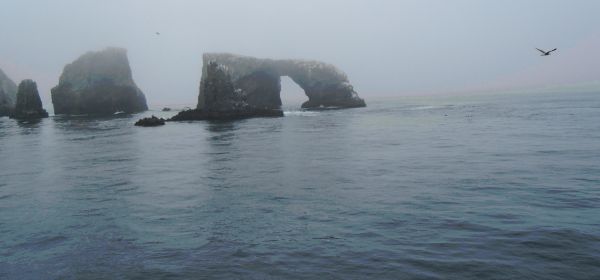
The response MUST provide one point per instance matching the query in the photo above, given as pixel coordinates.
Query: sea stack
(98, 83)
(235, 86)
(29, 104)
(8, 94)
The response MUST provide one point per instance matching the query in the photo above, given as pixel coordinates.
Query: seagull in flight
(545, 53)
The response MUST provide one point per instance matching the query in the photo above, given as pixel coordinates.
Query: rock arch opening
(292, 95)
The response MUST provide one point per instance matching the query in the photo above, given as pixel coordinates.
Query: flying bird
(545, 53)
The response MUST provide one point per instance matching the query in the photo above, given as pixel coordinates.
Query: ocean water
(496, 187)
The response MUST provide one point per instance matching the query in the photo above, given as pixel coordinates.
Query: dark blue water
(501, 187)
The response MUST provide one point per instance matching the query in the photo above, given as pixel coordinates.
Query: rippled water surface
(439, 188)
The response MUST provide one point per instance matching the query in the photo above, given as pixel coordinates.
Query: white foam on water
(300, 113)
(426, 107)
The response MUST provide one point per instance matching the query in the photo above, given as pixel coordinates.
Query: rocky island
(29, 104)
(235, 86)
(98, 83)
(151, 121)
(8, 94)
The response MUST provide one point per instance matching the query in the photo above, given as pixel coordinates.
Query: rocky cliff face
(241, 86)
(29, 104)
(222, 100)
(8, 94)
(98, 83)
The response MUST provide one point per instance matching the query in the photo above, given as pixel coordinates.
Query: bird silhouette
(545, 53)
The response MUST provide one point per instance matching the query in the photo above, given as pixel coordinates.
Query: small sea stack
(151, 121)
(29, 104)
(8, 95)
(98, 83)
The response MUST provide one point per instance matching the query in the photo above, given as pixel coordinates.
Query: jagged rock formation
(98, 83)
(29, 104)
(234, 86)
(8, 94)
(151, 121)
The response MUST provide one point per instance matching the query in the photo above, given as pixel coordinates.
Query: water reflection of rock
(222, 132)
(90, 123)
(237, 164)
(96, 179)
(29, 124)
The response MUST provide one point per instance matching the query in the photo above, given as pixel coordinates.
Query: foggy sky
(385, 47)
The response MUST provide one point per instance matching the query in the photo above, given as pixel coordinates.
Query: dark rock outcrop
(29, 104)
(98, 83)
(8, 94)
(234, 86)
(151, 121)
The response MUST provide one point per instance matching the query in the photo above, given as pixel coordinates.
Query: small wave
(43, 242)
(328, 237)
(425, 107)
(428, 107)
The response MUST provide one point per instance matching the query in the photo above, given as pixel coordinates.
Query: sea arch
(231, 81)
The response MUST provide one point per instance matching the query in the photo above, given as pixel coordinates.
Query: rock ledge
(151, 121)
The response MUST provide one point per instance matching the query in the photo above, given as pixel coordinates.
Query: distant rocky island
(8, 95)
(235, 86)
(98, 83)
(21, 102)
(231, 87)
(29, 104)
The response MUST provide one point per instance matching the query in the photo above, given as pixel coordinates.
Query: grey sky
(386, 47)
